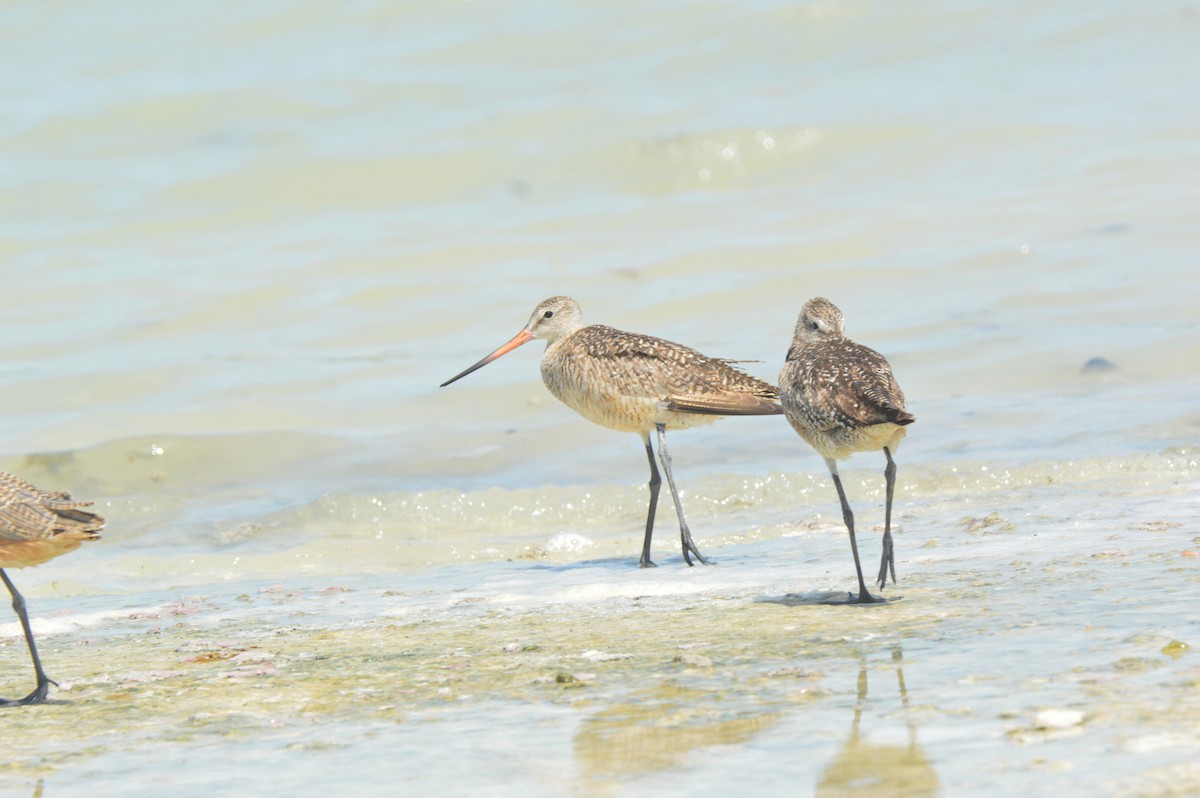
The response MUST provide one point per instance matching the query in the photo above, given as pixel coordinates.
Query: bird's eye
(810, 324)
(547, 314)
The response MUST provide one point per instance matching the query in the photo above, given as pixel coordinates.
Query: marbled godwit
(842, 398)
(35, 526)
(637, 383)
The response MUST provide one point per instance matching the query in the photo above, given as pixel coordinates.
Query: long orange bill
(523, 337)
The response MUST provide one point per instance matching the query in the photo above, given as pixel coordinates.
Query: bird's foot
(689, 549)
(887, 563)
(861, 599)
(646, 562)
(38, 696)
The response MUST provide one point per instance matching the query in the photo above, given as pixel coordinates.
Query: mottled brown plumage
(35, 526)
(842, 398)
(631, 383)
(637, 383)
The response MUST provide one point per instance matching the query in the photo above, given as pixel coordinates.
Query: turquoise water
(242, 245)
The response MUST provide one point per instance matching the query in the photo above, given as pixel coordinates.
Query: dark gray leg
(888, 562)
(864, 597)
(38, 696)
(655, 482)
(685, 535)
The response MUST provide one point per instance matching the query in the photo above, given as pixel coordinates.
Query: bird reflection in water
(877, 769)
(654, 733)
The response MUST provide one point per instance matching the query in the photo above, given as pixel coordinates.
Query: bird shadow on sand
(836, 598)
(602, 563)
(618, 564)
(9, 703)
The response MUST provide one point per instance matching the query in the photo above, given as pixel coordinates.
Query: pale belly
(841, 442)
(24, 553)
(608, 406)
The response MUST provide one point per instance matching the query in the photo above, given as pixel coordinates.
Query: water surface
(242, 245)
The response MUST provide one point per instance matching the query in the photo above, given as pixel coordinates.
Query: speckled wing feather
(27, 513)
(720, 406)
(866, 392)
(684, 379)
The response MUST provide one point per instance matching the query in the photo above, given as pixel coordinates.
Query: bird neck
(803, 345)
(560, 335)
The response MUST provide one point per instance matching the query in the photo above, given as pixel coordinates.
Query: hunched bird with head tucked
(842, 398)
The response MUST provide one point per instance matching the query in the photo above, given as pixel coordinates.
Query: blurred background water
(241, 245)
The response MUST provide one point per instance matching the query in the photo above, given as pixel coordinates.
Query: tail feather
(80, 521)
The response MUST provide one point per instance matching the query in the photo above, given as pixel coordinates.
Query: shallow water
(241, 247)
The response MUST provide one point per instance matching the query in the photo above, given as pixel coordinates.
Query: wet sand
(1042, 640)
